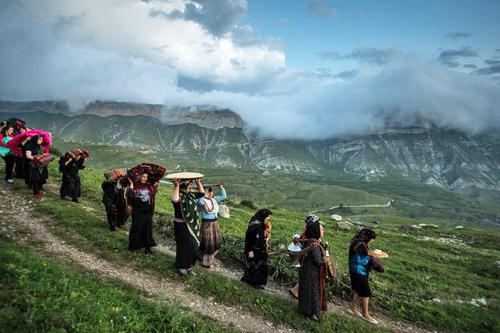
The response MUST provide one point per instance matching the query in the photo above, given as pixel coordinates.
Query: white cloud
(118, 50)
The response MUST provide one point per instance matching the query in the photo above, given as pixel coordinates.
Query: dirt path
(337, 307)
(34, 229)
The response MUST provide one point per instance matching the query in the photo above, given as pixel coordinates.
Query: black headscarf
(32, 145)
(313, 227)
(261, 215)
(361, 239)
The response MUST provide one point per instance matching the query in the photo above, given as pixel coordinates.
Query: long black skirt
(256, 270)
(186, 246)
(20, 169)
(36, 178)
(121, 209)
(71, 187)
(141, 231)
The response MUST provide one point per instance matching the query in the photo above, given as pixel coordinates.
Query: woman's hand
(250, 255)
(176, 182)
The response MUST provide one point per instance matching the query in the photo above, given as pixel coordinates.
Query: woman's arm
(29, 156)
(222, 195)
(376, 265)
(175, 195)
(250, 236)
(199, 185)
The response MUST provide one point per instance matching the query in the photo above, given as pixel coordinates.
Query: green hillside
(431, 278)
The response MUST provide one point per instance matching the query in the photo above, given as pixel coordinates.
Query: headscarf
(264, 226)
(32, 145)
(260, 216)
(313, 227)
(362, 237)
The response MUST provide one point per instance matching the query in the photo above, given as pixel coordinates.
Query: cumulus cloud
(458, 35)
(49, 36)
(451, 58)
(322, 8)
(217, 16)
(142, 51)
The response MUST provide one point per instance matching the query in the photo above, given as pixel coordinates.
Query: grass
(40, 295)
(71, 222)
(417, 272)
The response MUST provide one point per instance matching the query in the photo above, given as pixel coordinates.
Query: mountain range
(445, 158)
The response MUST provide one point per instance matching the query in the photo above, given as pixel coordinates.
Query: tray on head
(184, 175)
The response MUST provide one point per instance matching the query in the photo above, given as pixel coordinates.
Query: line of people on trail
(132, 192)
(316, 265)
(26, 153)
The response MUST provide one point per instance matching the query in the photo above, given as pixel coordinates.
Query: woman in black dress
(256, 249)
(71, 185)
(109, 193)
(141, 199)
(36, 177)
(312, 274)
(186, 225)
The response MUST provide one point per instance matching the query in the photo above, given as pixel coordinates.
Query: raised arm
(199, 185)
(222, 195)
(175, 194)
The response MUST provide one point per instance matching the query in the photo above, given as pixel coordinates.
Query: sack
(116, 174)
(74, 153)
(155, 172)
(42, 161)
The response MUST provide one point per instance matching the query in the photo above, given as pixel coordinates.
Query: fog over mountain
(181, 53)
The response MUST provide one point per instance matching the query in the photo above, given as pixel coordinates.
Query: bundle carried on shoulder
(42, 161)
(74, 153)
(115, 174)
(15, 143)
(17, 124)
(155, 172)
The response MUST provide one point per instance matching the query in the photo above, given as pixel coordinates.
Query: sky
(304, 69)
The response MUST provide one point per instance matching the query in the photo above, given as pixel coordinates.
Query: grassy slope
(39, 294)
(417, 271)
(410, 281)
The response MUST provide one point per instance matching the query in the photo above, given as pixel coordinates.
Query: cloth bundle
(17, 124)
(115, 174)
(42, 161)
(74, 153)
(155, 172)
(15, 143)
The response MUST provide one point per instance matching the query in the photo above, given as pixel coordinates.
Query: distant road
(358, 206)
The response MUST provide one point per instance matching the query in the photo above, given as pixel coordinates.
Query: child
(360, 264)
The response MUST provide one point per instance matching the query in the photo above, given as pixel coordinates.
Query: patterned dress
(312, 300)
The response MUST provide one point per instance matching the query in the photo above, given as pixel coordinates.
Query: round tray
(184, 175)
(381, 255)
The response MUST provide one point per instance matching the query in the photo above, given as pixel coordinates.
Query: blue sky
(418, 26)
(292, 69)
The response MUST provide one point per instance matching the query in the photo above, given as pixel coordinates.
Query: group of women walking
(26, 153)
(196, 227)
(316, 265)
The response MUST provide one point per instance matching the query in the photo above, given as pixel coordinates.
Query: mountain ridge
(445, 158)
